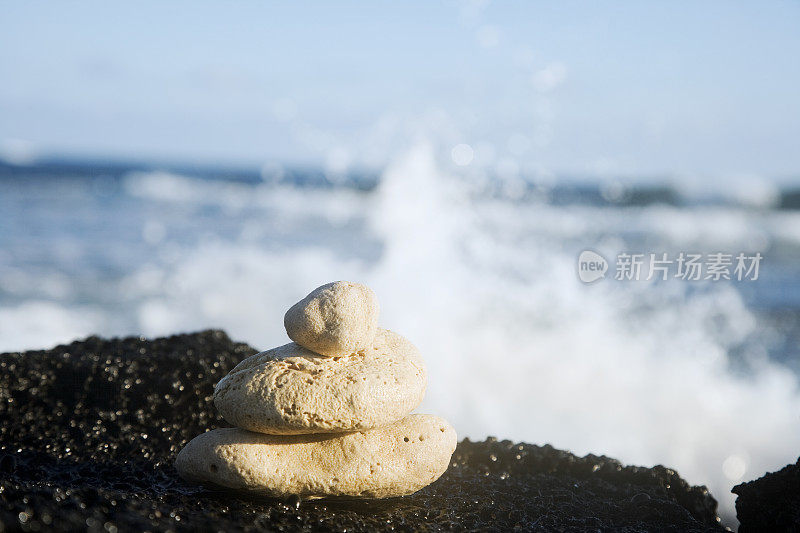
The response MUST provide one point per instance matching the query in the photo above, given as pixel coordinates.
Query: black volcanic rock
(771, 502)
(89, 432)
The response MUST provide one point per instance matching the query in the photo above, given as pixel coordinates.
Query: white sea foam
(42, 324)
(516, 346)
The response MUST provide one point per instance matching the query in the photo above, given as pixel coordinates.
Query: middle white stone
(290, 390)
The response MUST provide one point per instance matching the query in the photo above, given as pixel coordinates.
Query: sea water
(479, 272)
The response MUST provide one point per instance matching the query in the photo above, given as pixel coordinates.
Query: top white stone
(336, 319)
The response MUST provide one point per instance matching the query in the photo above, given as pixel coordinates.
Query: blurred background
(168, 168)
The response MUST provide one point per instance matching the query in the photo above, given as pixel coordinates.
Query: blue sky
(567, 87)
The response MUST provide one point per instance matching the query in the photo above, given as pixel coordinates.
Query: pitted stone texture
(336, 319)
(290, 390)
(394, 460)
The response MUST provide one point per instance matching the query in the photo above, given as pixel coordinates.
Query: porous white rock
(291, 390)
(394, 460)
(336, 319)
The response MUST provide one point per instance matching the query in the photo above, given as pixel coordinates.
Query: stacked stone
(328, 414)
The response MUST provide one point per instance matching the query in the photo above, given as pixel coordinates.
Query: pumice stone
(394, 460)
(336, 319)
(328, 414)
(291, 390)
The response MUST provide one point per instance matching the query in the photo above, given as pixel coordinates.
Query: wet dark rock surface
(89, 432)
(771, 502)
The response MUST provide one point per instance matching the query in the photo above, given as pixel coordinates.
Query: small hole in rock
(421, 438)
(405, 439)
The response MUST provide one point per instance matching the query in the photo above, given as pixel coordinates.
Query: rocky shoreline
(770, 503)
(89, 432)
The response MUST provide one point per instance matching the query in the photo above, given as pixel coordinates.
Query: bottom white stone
(394, 460)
